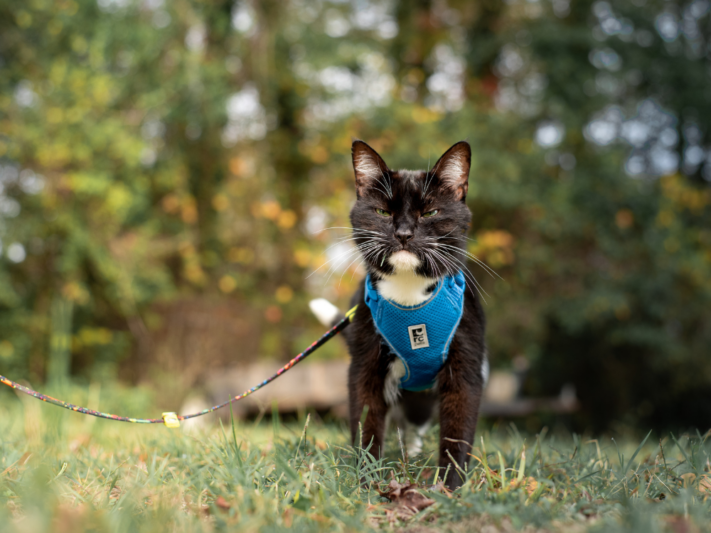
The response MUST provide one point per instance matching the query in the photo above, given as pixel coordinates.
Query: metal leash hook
(170, 419)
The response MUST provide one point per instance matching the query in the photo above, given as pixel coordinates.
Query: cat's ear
(453, 169)
(370, 169)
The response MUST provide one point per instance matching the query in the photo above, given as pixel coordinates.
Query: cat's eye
(431, 213)
(383, 212)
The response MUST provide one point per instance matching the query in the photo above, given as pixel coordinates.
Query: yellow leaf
(422, 115)
(238, 166)
(6, 349)
(302, 257)
(531, 485)
(220, 202)
(170, 203)
(55, 115)
(286, 219)
(284, 294)
(186, 249)
(270, 209)
(240, 255)
(75, 292)
(118, 199)
(227, 284)
(189, 212)
(319, 155)
(194, 273)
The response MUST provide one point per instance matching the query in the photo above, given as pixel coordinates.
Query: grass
(64, 472)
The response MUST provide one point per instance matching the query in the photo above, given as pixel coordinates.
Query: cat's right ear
(370, 169)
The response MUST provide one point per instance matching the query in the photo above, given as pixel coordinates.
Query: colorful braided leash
(172, 420)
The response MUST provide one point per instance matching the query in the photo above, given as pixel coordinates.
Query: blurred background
(169, 172)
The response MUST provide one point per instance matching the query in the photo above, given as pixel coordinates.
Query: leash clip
(351, 313)
(171, 420)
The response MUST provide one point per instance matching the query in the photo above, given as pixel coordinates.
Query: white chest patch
(404, 286)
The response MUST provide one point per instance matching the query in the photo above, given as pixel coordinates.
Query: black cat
(411, 227)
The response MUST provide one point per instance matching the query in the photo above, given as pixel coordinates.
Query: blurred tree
(173, 174)
(610, 256)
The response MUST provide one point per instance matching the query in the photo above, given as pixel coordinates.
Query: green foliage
(161, 159)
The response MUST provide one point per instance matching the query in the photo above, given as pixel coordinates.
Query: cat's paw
(325, 311)
(414, 447)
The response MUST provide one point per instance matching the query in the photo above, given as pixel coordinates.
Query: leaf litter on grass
(119, 478)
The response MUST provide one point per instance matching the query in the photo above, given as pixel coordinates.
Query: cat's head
(411, 220)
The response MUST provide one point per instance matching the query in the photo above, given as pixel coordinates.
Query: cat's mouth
(404, 261)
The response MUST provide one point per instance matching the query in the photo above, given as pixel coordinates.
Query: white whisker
(347, 254)
(456, 264)
(364, 255)
(348, 228)
(474, 258)
(355, 250)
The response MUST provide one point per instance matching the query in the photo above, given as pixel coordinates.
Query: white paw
(415, 447)
(324, 310)
(392, 381)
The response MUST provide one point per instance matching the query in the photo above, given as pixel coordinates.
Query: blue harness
(420, 335)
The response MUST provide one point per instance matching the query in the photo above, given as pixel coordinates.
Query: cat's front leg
(460, 396)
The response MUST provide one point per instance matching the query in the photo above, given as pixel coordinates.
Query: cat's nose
(404, 235)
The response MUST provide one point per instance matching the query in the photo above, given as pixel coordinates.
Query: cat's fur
(405, 254)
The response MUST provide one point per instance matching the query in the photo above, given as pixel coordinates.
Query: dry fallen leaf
(407, 499)
(531, 485)
(288, 517)
(688, 478)
(222, 503)
(25, 457)
(679, 524)
(439, 487)
(115, 493)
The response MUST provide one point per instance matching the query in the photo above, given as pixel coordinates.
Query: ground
(65, 472)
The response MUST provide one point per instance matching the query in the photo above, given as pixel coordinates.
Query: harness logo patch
(418, 336)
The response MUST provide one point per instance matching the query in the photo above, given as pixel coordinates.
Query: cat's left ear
(453, 169)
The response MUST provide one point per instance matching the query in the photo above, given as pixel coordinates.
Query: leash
(171, 419)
